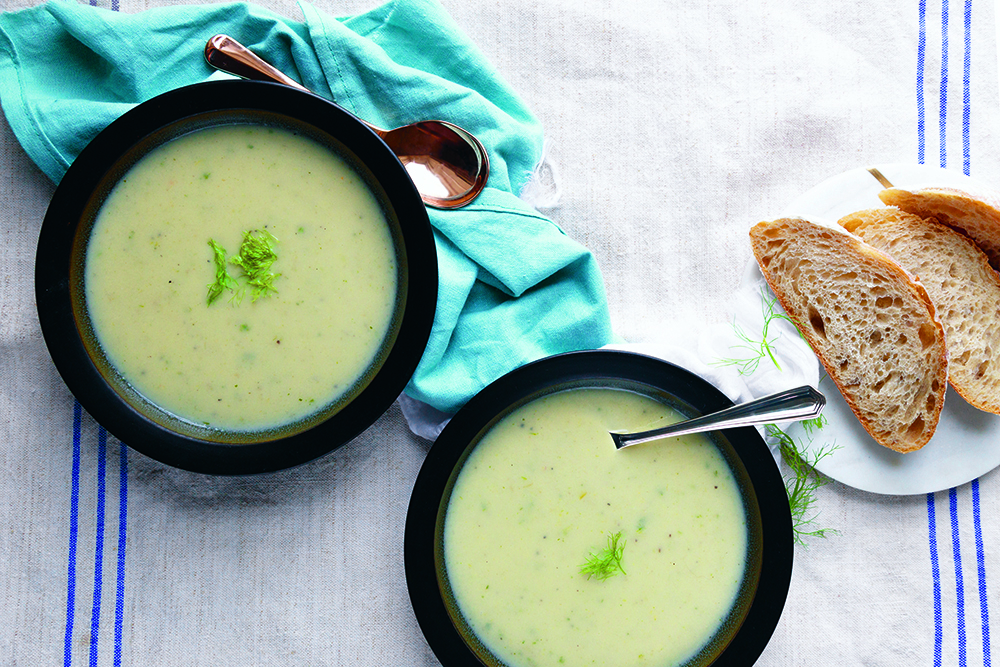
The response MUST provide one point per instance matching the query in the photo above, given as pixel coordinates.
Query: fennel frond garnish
(757, 350)
(814, 424)
(255, 258)
(223, 281)
(804, 481)
(607, 562)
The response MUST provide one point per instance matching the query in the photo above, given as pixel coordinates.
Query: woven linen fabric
(671, 128)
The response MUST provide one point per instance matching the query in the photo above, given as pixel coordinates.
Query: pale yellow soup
(545, 488)
(241, 364)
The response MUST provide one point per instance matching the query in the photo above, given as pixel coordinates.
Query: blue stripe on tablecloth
(955, 519)
(921, 54)
(966, 98)
(95, 619)
(921, 158)
(943, 108)
(984, 609)
(95, 614)
(101, 519)
(977, 527)
(122, 533)
(956, 551)
(935, 579)
(952, 493)
(74, 506)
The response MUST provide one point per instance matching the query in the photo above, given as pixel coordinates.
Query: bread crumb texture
(975, 214)
(963, 287)
(871, 325)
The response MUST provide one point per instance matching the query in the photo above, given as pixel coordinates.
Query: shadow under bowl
(754, 614)
(69, 331)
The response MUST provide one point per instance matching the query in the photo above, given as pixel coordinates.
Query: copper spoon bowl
(448, 165)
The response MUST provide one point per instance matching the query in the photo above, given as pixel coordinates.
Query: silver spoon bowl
(448, 165)
(785, 406)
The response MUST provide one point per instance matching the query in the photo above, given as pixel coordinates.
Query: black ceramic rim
(426, 509)
(197, 105)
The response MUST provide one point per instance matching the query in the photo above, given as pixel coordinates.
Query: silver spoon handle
(791, 405)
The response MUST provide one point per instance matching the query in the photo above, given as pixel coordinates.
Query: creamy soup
(241, 363)
(545, 492)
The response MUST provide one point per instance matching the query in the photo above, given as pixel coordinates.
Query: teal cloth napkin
(513, 286)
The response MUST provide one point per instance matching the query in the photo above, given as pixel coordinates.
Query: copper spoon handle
(446, 156)
(792, 405)
(226, 54)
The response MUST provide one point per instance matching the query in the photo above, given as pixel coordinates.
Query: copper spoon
(447, 164)
(792, 405)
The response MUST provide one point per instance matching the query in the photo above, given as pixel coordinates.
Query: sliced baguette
(975, 214)
(964, 288)
(871, 325)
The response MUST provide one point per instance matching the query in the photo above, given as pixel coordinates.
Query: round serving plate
(69, 334)
(755, 613)
(966, 443)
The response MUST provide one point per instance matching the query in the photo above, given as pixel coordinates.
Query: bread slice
(975, 214)
(869, 322)
(964, 288)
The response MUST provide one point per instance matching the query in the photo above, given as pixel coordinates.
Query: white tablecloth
(672, 127)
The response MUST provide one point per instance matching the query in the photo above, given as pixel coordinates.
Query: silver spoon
(791, 405)
(448, 165)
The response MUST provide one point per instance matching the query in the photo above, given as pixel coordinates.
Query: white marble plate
(966, 443)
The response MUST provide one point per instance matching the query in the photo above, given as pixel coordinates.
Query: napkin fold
(513, 286)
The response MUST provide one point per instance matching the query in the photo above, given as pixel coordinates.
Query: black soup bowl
(110, 397)
(441, 611)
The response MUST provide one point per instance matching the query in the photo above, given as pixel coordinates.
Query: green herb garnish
(607, 562)
(255, 258)
(805, 480)
(813, 424)
(802, 485)
(757, 350)
(223, 281)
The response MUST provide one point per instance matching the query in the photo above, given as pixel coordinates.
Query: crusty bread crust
(975, 214)
(870, 323)
(959, 280)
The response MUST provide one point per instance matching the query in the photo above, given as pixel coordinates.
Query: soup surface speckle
(542, 493)
(241, 363)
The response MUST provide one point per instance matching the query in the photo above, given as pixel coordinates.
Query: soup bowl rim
(68, 221)
(425, 514)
